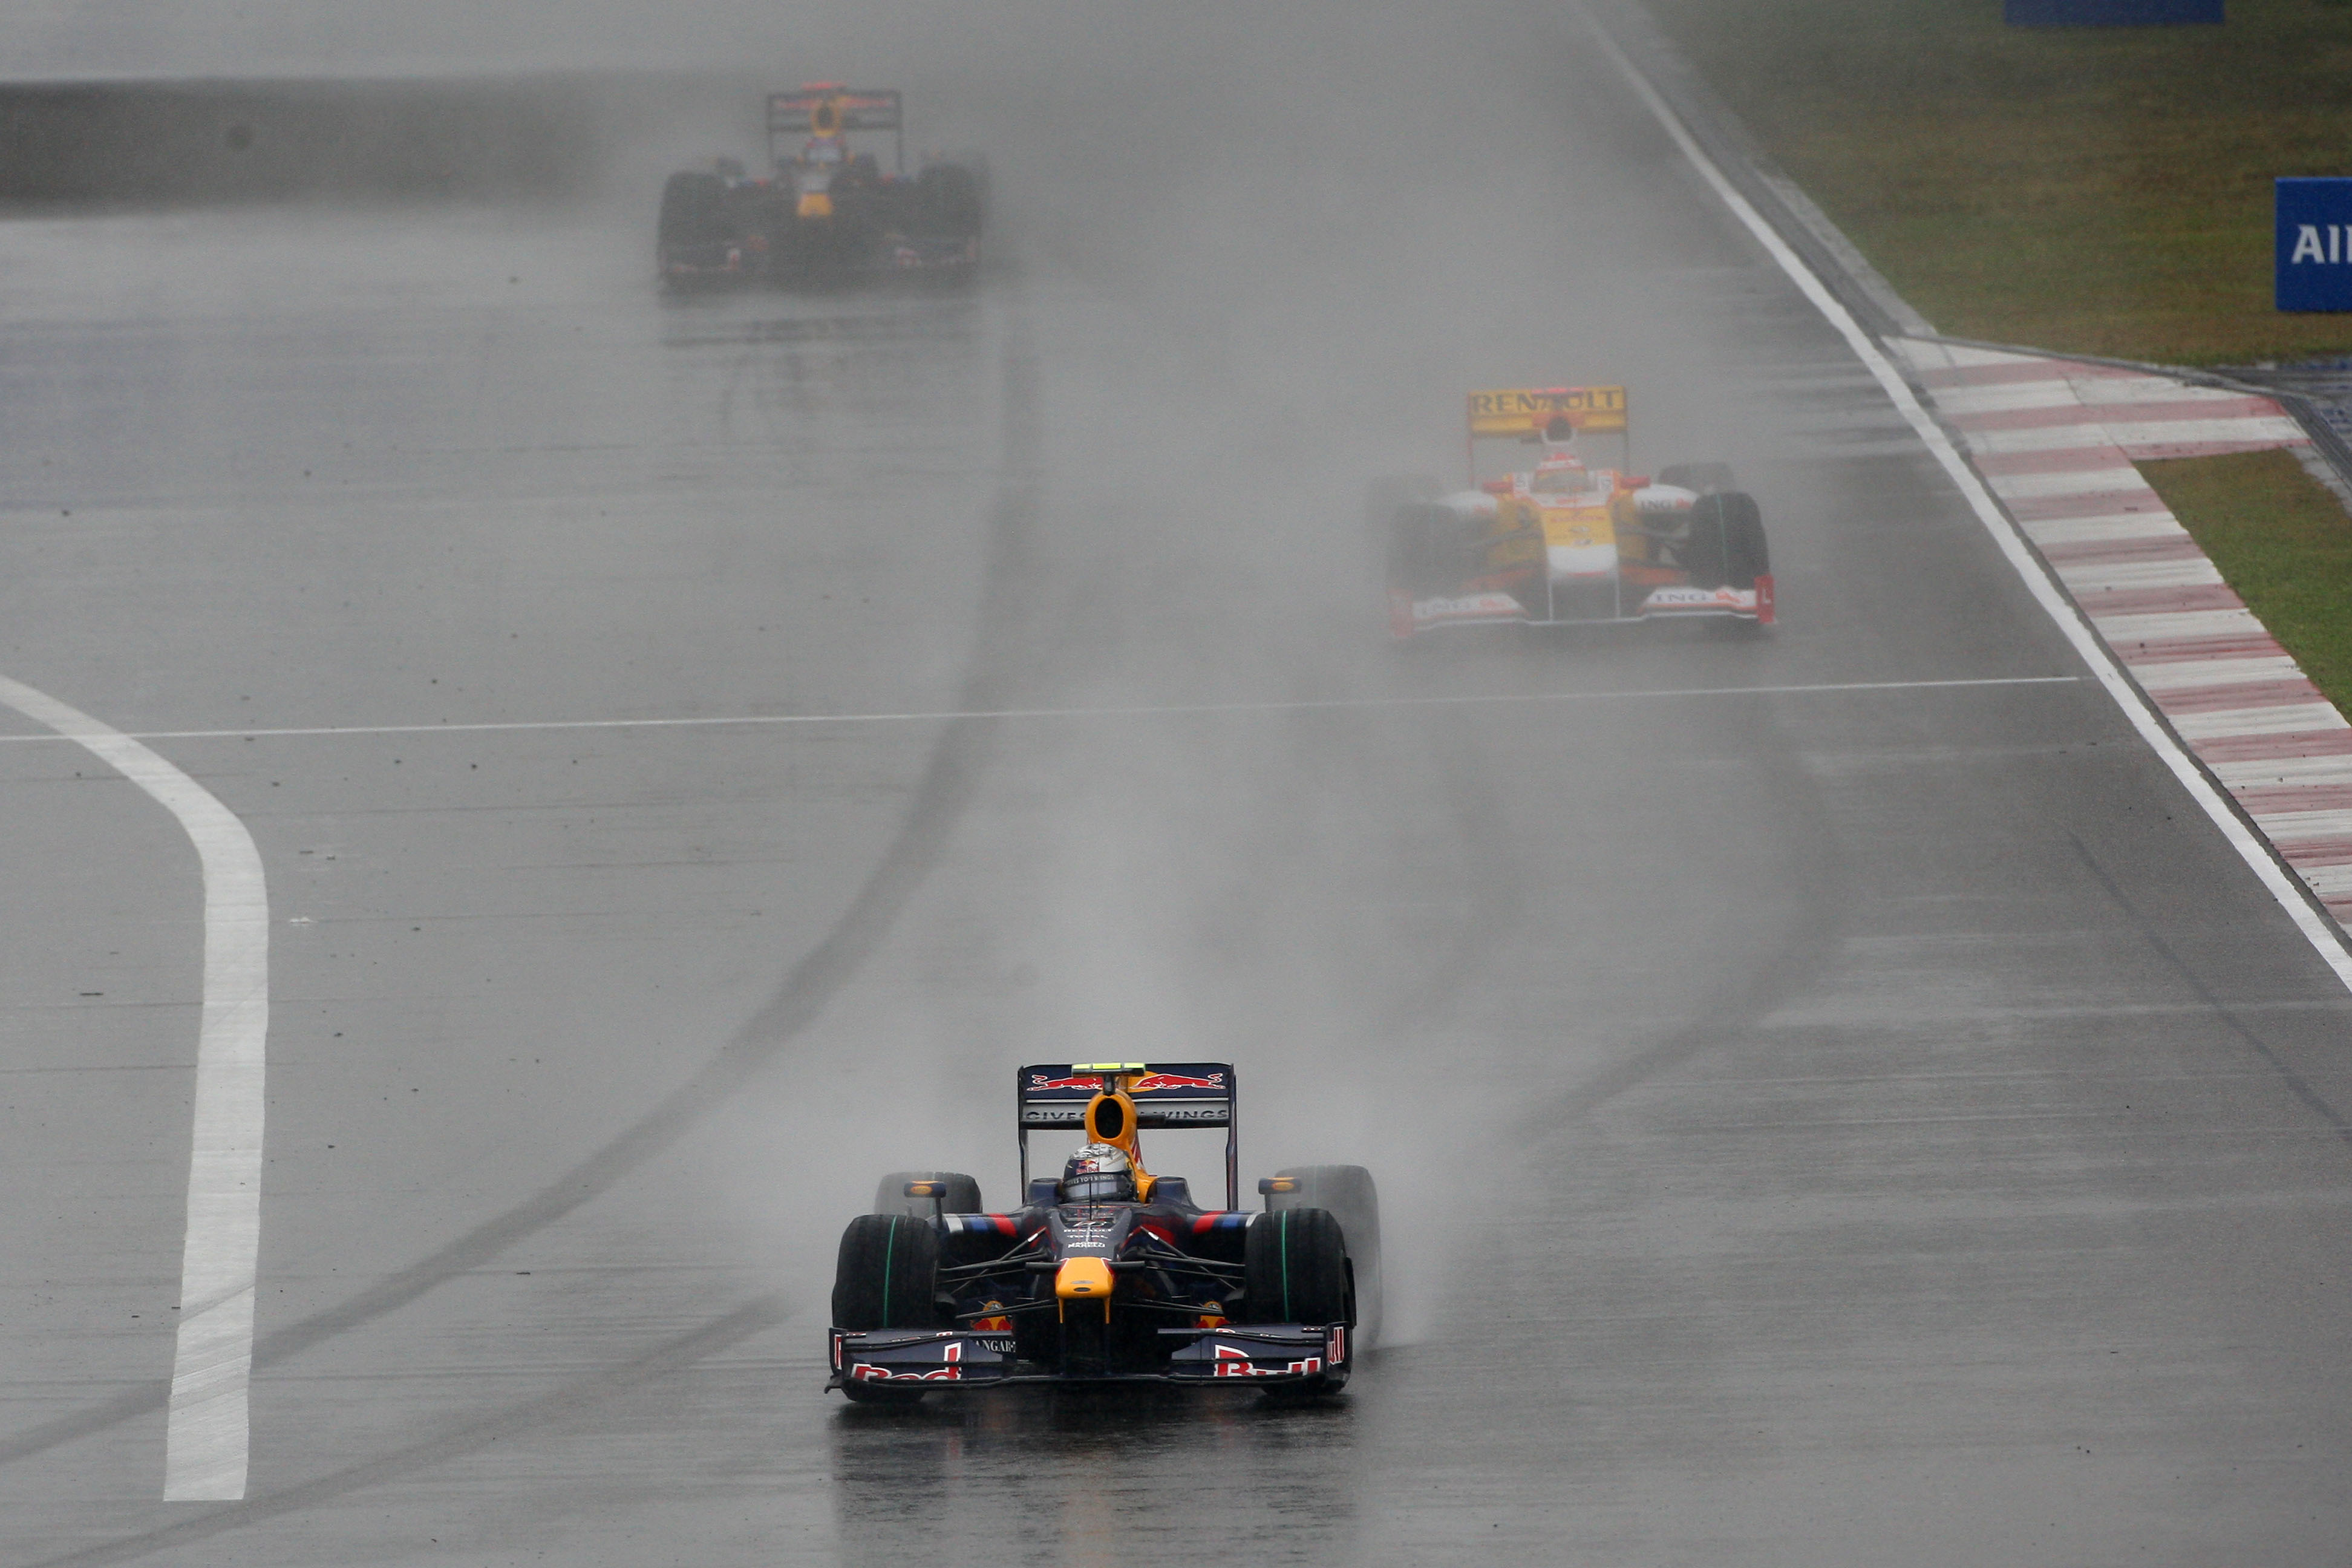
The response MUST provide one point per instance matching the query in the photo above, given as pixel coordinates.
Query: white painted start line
(2325, 939)
(208, 1424)
(1170, 709)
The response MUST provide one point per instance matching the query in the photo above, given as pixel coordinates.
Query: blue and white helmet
(1099, 1174)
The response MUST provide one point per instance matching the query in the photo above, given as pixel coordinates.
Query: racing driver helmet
(1099, 1174)
(1560, 474)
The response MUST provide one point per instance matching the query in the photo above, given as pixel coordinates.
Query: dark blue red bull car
(933, 1293)
(823, 209)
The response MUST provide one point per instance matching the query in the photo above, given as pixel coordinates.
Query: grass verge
(2094, 190)
(2283, 541)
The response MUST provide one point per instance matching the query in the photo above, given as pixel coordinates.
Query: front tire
(1724, 548)
(1294, 1268)
(1426, 549)
(1348, 1193)
(693, 213)
(887, 1274)
(1295, 1271)
(949, 202)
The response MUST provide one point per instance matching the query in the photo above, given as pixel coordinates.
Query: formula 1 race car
(1565, 543)
(824, 211)
(1108, 1274)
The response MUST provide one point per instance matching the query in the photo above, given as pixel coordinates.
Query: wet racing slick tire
(962, 1195)
(1724, 548)
(1426, 549)
(1294, 1268)
(693, 216)
(1295, 1271)
(886, 1277)
(887, 1274)
(1348, 1193)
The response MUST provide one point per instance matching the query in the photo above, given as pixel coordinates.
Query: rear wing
(828, 108)
(1054, 1096)
(1532, 413)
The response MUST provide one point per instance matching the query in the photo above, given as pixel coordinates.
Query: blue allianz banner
(2115, 13)
(2315, 245)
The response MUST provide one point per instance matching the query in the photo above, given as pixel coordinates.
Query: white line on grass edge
(2291, 897)
(207, 1428)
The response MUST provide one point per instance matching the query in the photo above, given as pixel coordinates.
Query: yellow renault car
(1569, 542)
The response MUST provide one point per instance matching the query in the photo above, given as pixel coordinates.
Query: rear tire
(887, 1274)
(1724, 548)
(1348, 1193)
(962, 1196)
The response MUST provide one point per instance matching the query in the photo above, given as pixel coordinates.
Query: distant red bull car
(934, 1294)
(823, 209)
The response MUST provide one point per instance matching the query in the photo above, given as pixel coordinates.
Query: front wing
(1410, 616)
(1262, 1355)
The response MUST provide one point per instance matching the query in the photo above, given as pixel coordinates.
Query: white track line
(207, 1429)
(2325, 938)
(1140, 711)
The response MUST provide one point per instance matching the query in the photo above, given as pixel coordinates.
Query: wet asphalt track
(1817, 1127)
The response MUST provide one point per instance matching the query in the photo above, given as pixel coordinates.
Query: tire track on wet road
(673, 1355)
(949, 781)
